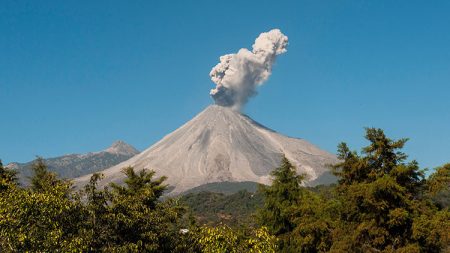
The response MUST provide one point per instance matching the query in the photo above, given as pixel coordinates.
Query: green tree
(223, 239)
(301, 219)
(141, 185)
(8, 177)
(96, 229)
(381, 200)
(42, 179)
(280, 200)
(438, 186)
(42, 220)
(138, 220)
(315, 218)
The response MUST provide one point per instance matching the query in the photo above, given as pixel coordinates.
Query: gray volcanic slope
(219, 145)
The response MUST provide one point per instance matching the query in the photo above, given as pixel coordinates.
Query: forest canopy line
(381, 203)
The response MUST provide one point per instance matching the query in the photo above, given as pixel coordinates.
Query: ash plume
(238, 75)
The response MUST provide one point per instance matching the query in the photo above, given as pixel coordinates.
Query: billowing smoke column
(238, 75)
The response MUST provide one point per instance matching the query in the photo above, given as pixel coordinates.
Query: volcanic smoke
(238, 75)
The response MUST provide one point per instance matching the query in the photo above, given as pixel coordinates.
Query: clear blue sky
(77, 75)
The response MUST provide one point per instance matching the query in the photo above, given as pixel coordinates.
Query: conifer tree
(381, 198)
(141, 185)
(139, 220)
(42, 179)
(97, 225)
(281, 199)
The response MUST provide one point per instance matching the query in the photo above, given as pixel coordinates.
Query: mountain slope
(76, 165)
(220, 144)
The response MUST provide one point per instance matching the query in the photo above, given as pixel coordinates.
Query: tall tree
(280, 198)
(280, 201)
(96, 223)
(141, 185)
(139, 220)
(381, 198)
(42, 179)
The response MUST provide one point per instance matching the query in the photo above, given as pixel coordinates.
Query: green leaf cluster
(223, 239)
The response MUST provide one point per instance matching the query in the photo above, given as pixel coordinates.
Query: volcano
(222, 145)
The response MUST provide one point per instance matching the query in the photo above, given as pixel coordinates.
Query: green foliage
(44, 180)
(438, 186)
(381, 199)
(41, 220)
(131, 218)
(222, 239)
(302, 219)
(235, 210)
(380, 204)
(8, 178)
(439, 180)
(280, 198)
(314, 219)
(141, 187)
(225, 187)
(96, 227)
(218, 239)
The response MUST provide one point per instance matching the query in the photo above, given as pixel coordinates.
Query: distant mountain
(220, 145)
(76, 165)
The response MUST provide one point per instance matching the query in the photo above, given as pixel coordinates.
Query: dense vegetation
(381, 203)
(235, 210)
(49, 217)
(225, 187)
(224, 205)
